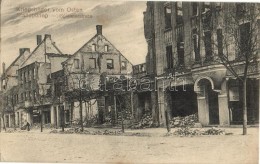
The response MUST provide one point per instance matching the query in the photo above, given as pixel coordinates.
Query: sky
(122, 25)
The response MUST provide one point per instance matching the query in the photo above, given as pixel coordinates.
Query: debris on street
(145, 122)
(184, 121)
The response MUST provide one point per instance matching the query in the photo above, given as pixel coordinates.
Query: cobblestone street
(34, 146)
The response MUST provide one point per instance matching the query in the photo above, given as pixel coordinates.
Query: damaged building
(27, 94)
(185, 40)
(97, 60)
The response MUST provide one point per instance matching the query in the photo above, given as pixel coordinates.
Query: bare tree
(40, 98)
(237, 44)
(80, 90)
(12, 102)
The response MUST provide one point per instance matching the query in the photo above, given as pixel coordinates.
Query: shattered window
(110, 64)
(94, 47)
(123, 65)
(92, 63)
(76, 63)
(167, 18)
(194, 8)
(106, 48)
(169, 57)
(179, 18)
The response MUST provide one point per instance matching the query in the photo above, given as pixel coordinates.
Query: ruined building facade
(46, 86)
(181, 63)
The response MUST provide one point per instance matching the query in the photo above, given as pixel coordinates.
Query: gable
(39, 53)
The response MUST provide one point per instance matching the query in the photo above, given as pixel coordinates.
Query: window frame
(106, 48)
(93, 47)
(168, 16)
(95, 63)
(76, 65)
(111, 63)
(125, 67)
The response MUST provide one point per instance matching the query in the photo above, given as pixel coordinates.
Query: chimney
(39, 39)
(47, 36)
(22, 50)
(99, 29)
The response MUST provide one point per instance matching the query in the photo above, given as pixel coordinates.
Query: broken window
(76, 63)
(29, 95)
(208, 46)
(34, 95)
(194, 8)
(25, 96)
(220, 42)
(29, 75)
(167, 17)
(180, 51)
(33, 74)
(244, 38)
(106, 48)
(92, 63)
(123, 65)
(94, 48)
(196, 44)
(110, 64)
(179, 19)
(218, 5)
(169, 57)
(205, 6)
(240, 9)
(24, 77)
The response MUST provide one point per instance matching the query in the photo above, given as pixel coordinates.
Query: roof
(45, 48)
(72, 56)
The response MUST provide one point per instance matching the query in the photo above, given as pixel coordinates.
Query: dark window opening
(194, 8)
(167, 17)
(24, 76)
(179, 18)
(110, 64)
(205, 6)
(180, 52)
(76, 63)
(92, 63)
(240, 9)
(196, 44)
(244, 38)
(169, 57)
(208, 46)
(123, 65)
(220, 42)
(218, 6)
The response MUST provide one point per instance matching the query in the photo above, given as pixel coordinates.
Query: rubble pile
(214, 131)
(184, 121)
(186, 131)
(94, 132)
(91, 121)
(145, 122)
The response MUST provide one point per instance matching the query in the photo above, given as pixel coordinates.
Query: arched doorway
(208, 104)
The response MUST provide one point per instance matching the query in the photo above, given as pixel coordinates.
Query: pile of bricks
(145, 122)
(184, 121)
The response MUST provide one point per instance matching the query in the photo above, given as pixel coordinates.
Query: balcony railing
(168, 36)
(179, 32)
